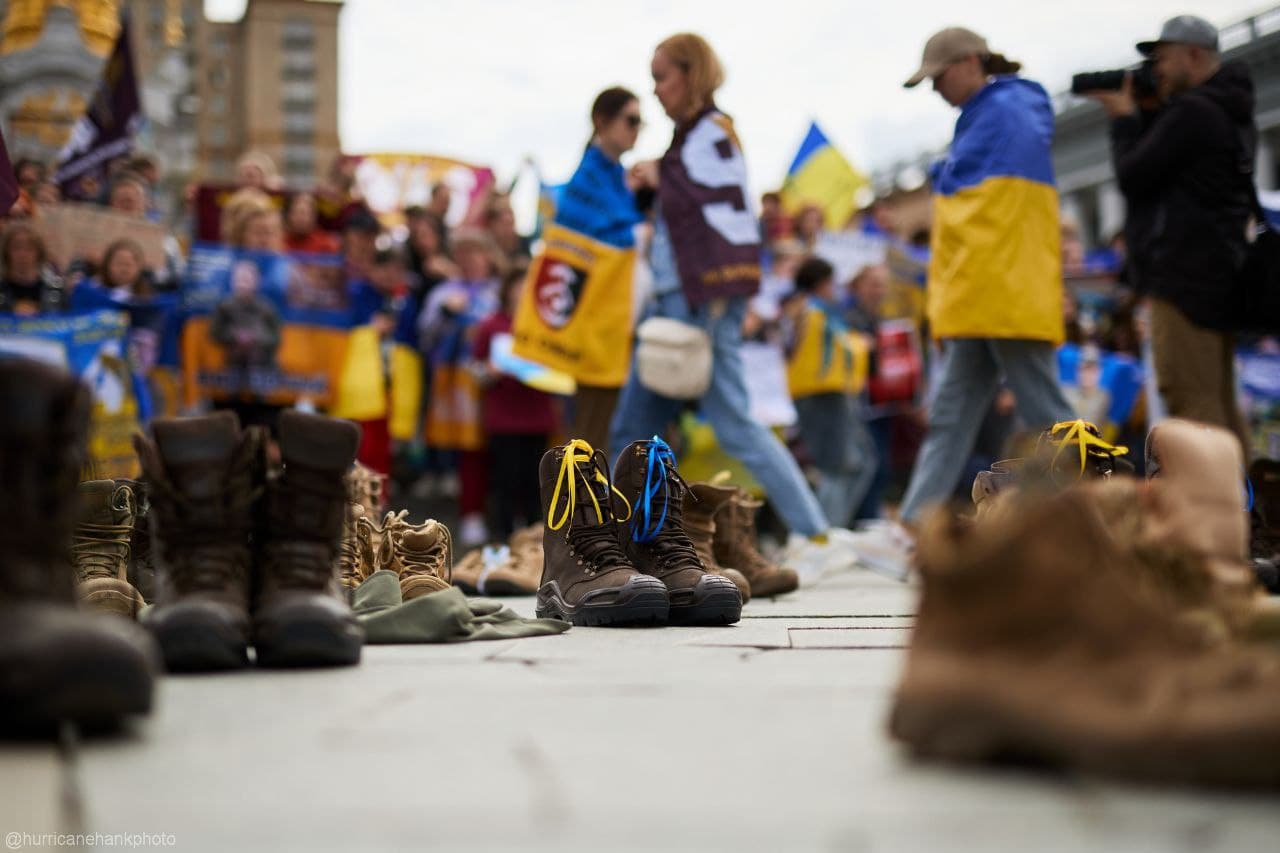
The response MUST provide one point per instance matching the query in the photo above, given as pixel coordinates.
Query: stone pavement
(768, 736)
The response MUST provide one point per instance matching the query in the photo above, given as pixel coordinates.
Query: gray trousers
(842, 450)
(969, 377)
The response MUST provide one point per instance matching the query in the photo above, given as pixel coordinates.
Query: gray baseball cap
(1184, 29)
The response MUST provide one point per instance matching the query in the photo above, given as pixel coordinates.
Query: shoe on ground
(587, 577)
(420, 554)
(100, 548)
(701, 503)
(655, 539)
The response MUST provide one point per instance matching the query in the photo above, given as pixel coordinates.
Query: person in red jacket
(518, 420)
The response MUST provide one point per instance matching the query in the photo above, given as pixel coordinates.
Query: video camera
(1144, 80)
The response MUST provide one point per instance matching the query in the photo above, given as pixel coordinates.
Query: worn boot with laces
(58, 663)
(204, 476)
(700, 504)
(587, 578)
(369, 536)
(735, 545)
(420, 554)
(300, 614)
(141, 573)
(645, 475)
(100, 548)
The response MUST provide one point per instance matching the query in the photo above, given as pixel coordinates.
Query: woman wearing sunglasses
(598, 203)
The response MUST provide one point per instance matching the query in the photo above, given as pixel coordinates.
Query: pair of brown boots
(615, 548)
(721, 523)
(513, 570)
(1096, 628)
(246, 552)
(58, 662)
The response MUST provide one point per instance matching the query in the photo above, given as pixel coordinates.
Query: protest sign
(72, 231)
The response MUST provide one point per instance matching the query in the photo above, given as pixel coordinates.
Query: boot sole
(97, 696)
(716, 601)
(200, 646)
(307, 644)
(640, 603)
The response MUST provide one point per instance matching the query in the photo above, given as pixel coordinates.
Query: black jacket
(1189, 176)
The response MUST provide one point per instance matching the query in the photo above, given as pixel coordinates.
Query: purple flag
(107, 128)
(8, 180)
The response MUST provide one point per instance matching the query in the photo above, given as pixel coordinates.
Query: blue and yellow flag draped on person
(575, 312)
(821, 175)
(995, 269)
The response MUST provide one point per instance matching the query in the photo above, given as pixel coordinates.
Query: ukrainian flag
(821, 175)
(995, 267)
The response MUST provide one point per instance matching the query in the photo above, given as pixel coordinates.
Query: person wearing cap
(994, 291)
(1191, 166)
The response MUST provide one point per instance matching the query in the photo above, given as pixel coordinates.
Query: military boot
(300, 614)
(100, 548)
(735, 545)
(657, 543)
(204, 475)
(141, 573)
(57, 663)
(420, 554)
(587, 578)
(1032, 644)
(700, 505)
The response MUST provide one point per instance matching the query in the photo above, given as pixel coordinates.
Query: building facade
(269, 83)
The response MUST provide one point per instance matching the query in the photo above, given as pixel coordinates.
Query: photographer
(1185, 174)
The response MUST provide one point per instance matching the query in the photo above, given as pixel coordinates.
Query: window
(300, 123)
(298, 34)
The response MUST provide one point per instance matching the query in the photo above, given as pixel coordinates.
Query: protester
(822, 375)
(122, 276)
(247, 327)
(360, 233)
(597, 202)
(702, 164)
(518, 421)
(808, 226)
(445, 328)
(438, 207)
(30, 174)
(302, 228)
(256, 171)
(29, 284)
(500, 220)
(774, 222)
(129, 194)
(867, 292)
(994, 289)
(1190, 163)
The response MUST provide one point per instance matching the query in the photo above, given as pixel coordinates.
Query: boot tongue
(197, 451)
(317, 442)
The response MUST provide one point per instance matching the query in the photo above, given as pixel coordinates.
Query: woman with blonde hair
(250, 220)
(705, 257)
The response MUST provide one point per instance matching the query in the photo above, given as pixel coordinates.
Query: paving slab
(768, 735)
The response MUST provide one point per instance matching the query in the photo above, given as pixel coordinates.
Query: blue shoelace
(660, 458)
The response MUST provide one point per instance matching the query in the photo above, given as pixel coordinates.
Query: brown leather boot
(700, 505)
(657, 543)
(205, 475)
(100, 548)
(1031, 643)
(57, 662)
(421, 554)
(300, 614)
(587, 578)
(735, 545)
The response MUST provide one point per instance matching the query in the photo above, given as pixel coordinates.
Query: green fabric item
(447, 616)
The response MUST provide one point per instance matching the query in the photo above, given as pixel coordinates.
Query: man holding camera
(1187, 173)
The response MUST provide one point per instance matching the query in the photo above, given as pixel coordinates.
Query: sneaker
(812, 558)
(884, 547)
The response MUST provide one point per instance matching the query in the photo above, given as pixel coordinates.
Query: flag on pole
(107, 128)
(821, 175)
(8, 180)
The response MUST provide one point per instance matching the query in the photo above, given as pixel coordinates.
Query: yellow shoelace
(1078, 434)
(579, 452)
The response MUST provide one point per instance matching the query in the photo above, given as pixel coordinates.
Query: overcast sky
(494, 80)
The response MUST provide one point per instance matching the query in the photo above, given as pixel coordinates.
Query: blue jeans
(642, 414)
(966, 386)
(841, 449)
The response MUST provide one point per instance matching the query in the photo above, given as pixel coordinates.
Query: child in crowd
(445, 330)
(247, 326)
(518, 420)
(825, 365)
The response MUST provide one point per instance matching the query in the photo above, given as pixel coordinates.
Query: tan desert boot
(100, 549)
(735, 545)
(700, 505)
(1032, 643)
(421, 554)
